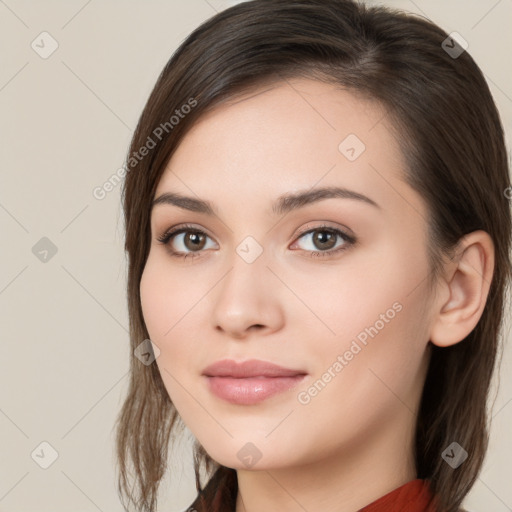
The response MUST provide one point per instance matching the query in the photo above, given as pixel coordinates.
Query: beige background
(65, 124)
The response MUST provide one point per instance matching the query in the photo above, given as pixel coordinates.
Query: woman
(319, 236)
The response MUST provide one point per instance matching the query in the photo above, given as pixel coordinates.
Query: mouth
(250, 390)
(250, 382)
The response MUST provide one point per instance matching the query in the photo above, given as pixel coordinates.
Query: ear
(464, 290)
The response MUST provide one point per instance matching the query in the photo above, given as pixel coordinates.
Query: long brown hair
(451, 135)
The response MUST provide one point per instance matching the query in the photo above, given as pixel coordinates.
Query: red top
(413, 496)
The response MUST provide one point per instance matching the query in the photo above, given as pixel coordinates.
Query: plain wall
(66, 122)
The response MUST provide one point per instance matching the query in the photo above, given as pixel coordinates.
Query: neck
(351, 477)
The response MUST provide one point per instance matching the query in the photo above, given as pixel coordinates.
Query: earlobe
(467, 285)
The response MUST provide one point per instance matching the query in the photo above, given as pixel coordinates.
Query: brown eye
(324, 241)
(185, 241)
(194, 240)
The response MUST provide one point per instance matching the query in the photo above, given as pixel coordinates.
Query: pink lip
(250, 368)
(251, 381)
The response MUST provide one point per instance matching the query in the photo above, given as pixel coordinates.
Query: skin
(353, 441)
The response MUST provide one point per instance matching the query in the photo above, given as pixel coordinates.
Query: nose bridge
(248, 274)
(245, 296)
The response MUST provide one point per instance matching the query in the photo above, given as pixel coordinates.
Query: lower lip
(249, 391)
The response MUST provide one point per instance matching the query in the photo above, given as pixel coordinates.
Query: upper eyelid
(309, 226)
(181, 228)
(325, 225)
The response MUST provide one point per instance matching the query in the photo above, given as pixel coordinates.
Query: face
(333, 286)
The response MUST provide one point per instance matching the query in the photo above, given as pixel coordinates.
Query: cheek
(154, 300)
(169, 302)
(379, 287)
(372, 314)
(369, 373)
(165, 297)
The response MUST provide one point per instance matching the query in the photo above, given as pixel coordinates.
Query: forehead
(289, 136)
(294, 112)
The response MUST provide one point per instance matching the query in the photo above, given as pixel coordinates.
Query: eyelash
(348, 239)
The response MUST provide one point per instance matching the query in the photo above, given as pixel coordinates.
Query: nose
(248, 299)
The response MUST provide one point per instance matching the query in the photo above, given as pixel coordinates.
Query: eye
(325, 241)
(187, 241)
(193, 240)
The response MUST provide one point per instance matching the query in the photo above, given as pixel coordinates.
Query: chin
(249, 452)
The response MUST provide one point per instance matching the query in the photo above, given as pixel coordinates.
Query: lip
(250, 368)
(249, 382)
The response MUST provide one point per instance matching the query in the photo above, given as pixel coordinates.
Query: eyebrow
(283, 204)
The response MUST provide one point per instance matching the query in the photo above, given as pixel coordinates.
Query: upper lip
(246, 369)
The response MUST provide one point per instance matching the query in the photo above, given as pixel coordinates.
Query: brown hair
(450, 132)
